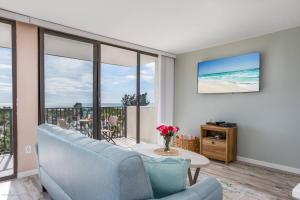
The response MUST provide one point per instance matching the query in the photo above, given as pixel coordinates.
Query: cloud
(87, 78)
(5, 71)
(131, 77)
(148, 72)
(7, 87)
(147, 77)
(66, 86)
(4, 76)
(67, 66)
(69, 80)
(4, 66)
(68, 77)
(5, 56)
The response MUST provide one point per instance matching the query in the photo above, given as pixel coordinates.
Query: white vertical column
(165, 92)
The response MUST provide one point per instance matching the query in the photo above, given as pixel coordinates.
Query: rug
(235, 191)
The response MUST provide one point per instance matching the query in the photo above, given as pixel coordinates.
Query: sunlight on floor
(125, 142)
(6, 165)
(5, 189)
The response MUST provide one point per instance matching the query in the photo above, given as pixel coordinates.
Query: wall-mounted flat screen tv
(230, 75)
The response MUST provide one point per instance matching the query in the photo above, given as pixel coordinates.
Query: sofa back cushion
(167, 175)
(90, 169)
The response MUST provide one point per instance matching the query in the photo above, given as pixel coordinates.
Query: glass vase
(167, 143)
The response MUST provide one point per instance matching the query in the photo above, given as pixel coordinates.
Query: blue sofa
(73, 166)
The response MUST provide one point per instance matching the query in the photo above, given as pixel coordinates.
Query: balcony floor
(125, 142)
(6, 165)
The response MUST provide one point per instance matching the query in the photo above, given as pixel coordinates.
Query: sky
(68, 81)
(234, 63)
(5, 77)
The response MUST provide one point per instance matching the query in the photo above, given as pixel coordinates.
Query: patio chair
(63, 124)
(110, 131)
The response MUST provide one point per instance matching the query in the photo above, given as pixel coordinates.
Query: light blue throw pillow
(167, 175)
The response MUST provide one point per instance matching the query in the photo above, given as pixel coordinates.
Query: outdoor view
(5, 99)
(69, 95)
(6, 140)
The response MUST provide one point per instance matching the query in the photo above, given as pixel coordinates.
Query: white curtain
(165, 91)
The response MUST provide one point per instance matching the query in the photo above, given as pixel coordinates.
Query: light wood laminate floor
(28, 188)
(239, 180)
(244, 180)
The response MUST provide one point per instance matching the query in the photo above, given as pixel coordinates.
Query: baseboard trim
(269, 165)
(27, 173)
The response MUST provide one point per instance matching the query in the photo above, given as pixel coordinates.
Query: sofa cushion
(167, 175)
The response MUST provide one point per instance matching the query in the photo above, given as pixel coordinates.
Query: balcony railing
(81, 119)
(6, 131)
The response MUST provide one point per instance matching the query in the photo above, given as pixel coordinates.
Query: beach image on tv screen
(229, 75)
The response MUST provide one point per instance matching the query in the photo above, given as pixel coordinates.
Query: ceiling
(175, 26)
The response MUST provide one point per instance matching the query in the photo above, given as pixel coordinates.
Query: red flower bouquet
(167, 132)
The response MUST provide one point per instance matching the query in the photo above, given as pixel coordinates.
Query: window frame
(14, 97)
(96, 78)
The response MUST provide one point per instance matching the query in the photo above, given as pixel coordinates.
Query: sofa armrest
(207, 189)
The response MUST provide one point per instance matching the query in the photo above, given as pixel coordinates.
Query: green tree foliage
(5, 130)
(77, 105)
(130, 100)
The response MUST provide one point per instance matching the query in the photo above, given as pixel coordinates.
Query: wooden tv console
(224, 148)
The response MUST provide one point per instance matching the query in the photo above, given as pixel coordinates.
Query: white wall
(148, 121)
(27, 93)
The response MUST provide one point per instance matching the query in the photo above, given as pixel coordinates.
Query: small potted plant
(167, 132)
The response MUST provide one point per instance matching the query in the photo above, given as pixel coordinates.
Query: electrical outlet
(28, 149)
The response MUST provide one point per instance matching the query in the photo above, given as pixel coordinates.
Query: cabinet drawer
(217, 144)
(215, 149)
(214, 155)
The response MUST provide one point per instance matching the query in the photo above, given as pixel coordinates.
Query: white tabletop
(84, 120)
(197, 160)
(296, 192)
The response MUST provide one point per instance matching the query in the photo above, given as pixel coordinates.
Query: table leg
(107, 136)
(192, 179)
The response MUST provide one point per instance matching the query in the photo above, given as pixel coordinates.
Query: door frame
(14, 99)
(41, 72)
(96, 77)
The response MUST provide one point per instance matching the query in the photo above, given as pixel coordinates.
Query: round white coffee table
(197, 160)
(296, 192)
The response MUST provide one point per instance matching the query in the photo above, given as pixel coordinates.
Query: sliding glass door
(118, 94)
(148, 108)
(7, 101)
(68, 82)
(102, 90)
